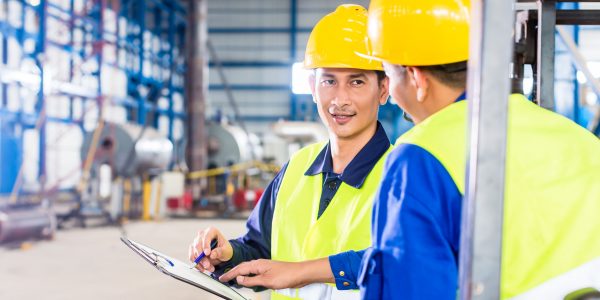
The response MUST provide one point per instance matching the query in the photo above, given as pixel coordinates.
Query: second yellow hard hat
(419, 32)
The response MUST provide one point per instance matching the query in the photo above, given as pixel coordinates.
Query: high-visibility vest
(299, 235)
(551, 229)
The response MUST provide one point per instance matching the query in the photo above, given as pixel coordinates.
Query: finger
(216, 253)
(206, 264)
(242, 269)
(209, 235)
(192, 252)
(249, 281)
(198, 243)
(211, 268)
(200, 266)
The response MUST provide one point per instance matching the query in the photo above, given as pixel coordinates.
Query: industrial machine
(24, 221)
(229, 145)
(233, 180)
(118, 158)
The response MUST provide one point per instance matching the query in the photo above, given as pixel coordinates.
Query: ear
(311, 83)
(420, 81)
(384, 91)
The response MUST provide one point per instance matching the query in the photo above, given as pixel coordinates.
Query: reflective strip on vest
(316, 291)
(552, 191)
(298, 235)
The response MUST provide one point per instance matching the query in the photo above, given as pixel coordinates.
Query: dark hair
(380, 75)
(453, 75)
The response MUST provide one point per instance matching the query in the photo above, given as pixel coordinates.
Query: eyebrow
(352, 76)
(358, 75)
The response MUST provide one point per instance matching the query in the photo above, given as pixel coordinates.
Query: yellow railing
(234, 169)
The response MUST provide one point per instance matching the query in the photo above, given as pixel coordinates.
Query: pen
(213, 245)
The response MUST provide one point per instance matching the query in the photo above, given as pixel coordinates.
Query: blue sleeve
(256, 243)
(345, 267)
(416, 230)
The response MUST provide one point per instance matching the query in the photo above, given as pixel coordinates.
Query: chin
(343, 134)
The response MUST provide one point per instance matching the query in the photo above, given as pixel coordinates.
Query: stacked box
(14, 13)
(114, 82)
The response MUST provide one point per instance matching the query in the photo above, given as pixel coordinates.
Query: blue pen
(213, 245)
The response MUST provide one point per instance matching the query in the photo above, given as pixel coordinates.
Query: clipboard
(181, 271)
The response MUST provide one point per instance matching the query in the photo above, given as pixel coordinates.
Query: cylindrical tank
(305, 132)
(228, 144)
(26, 221)
(130, 149)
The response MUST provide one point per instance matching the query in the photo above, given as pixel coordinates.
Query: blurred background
(159, 118)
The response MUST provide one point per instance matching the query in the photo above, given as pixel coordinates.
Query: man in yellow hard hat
(318, 208)
(552, 186)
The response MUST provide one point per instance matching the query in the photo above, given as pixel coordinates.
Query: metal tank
(228, 144)
(130, 149)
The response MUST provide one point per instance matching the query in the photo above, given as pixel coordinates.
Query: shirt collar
(361, 165)
(462, 97)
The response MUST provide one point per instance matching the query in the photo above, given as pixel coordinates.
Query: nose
(342, 97)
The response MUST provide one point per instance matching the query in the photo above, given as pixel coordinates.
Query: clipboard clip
(150, 256)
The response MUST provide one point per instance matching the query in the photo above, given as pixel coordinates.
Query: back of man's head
(453, 75)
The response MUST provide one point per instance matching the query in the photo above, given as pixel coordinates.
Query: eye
(327, 82)
(357, 82)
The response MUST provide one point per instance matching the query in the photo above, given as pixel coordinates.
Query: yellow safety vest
(298, 235)
(551, 244)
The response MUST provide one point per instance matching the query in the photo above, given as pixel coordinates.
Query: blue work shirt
(416, 230)
(256, 243)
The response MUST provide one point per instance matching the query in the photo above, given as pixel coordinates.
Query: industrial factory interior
(134, 126)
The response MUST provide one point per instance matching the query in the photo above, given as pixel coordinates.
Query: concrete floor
(94, 264)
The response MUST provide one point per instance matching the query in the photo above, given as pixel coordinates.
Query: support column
(491, 45)
(196, 85)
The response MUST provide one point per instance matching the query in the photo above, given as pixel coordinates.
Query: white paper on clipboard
(181, 271)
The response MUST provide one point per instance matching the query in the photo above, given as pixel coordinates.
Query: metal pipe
(488, 89)
(545, 53)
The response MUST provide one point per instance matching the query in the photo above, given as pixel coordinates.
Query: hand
(280, 275)
(222, 253)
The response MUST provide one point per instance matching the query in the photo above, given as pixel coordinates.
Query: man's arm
(279, 275)
(416, 231)
(341, 269)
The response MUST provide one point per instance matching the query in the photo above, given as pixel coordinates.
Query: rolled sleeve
(345, 268)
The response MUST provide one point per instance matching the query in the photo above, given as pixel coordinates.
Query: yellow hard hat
(419, 32)
(335, 41)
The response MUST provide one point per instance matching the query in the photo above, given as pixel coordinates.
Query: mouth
(342, 118)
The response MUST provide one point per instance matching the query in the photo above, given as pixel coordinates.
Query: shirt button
(332, 185)
(346, 283)
(342, 273)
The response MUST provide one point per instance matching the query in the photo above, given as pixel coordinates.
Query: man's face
(401, 91)
(348, 99)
